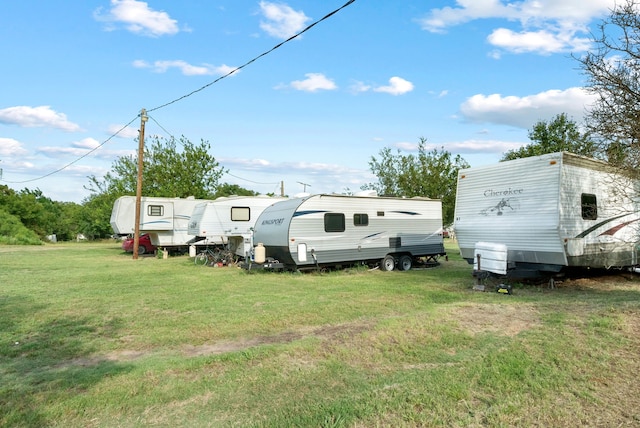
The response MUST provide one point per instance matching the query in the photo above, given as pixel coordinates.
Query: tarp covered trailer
(548, 212)
(326, 230)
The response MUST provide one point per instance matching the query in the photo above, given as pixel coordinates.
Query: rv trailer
(322, 231)
(166, 220)
(541, 215)
(229, 221)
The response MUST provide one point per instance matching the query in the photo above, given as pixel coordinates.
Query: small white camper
(166, 220)
(547, 212)
(331, 230)
(229, 221)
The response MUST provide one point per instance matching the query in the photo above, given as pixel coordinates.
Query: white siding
(512, 203)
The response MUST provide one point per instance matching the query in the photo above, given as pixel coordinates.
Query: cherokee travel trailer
(330, 230)
(229, 220)
(166, 220)
(546, 213)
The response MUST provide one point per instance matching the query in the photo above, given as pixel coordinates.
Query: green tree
(12, 231)
(167, 172)
(96, 215)
(557, 135)
(432, 174)
(40, 214)
(227, 189)
(612, 70)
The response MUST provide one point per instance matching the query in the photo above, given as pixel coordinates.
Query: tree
(96, 215)
(613, 77)
(227, 189)
(558, 135)
(167, 172)
(40, 214)
(431, 174)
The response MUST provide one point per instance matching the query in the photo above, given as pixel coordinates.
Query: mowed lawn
(90, 337)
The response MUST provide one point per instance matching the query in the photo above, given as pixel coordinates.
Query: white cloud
(468, 146)
(10, 148)
(543, 41)
(138, 18)
(36, 117)
(82, 148)
(281, 20)
(357, 87)
(320, 177)
(184, 67)
(397, 86)
(483, 146)
(314, 82)
(127, 132)
(524, 112)
(546, 26)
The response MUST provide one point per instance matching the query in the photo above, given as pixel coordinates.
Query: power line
(188, 95)
(254, 59)
(161, 127)
(250, 181)
(76, 160)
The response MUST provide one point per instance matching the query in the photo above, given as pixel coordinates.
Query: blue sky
(471, 76)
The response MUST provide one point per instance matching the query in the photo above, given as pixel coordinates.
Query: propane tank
(260, 252)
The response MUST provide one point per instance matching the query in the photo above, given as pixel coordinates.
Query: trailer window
(589, 206)
(155, 210)
(380, 213)
(334, 222)
(240, 213)
(361, 219)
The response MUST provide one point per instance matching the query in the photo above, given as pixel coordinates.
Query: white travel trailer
(229, 221)
(166, 220)
(331, 230)
(546, 213)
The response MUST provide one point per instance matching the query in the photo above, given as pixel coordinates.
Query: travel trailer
(320, 231)
(540, 215)
(229, 221)
(166, 220)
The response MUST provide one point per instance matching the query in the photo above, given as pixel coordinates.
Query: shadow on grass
(45, 362)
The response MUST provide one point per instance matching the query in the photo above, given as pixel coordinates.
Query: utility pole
(136, 235)
(281, 186)
(304, 189)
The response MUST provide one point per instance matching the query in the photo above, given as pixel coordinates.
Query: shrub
(13, 232)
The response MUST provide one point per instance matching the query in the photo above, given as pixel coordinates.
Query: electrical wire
(188, 95)
(246, 179)
(76, 160)
(254, 59)
(161, 127)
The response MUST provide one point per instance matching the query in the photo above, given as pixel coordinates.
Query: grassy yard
(91, 338)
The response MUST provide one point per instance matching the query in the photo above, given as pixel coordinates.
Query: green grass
(90, 337)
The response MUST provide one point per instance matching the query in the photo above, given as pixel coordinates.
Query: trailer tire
(405, 263)
(388, 263)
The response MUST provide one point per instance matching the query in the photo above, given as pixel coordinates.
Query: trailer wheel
(388, 263)
(405, 263)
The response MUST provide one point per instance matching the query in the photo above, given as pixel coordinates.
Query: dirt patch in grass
(326, 332)
(508, 320)
(601, 282)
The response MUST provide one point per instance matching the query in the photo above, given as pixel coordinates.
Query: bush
(13, 232)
